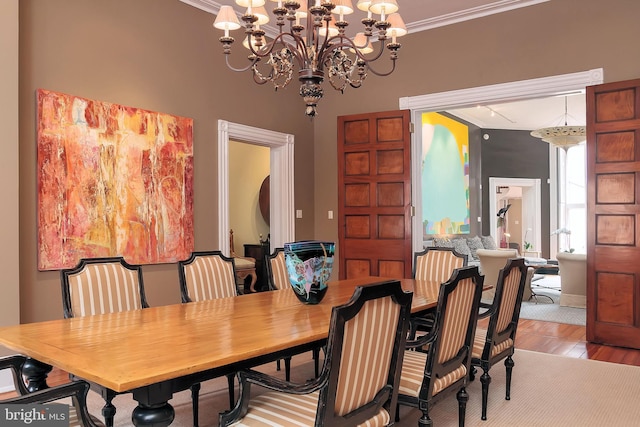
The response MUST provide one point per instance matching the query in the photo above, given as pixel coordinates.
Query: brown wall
(551, 38)
(160, 55)
(9, 257)
(163, 55)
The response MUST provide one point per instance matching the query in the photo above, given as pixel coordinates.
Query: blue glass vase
(309, 264)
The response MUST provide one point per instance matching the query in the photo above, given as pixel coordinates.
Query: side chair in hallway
(497, 341)
(100, 286)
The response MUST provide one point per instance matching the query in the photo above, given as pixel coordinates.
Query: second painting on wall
(444, 176)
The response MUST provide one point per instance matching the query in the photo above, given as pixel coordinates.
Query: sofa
(491, 262)
(573, 279)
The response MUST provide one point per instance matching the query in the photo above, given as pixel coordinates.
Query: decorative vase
(309, 264)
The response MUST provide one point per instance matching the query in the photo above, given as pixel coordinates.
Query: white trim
(282, 224)
(469, 14)
(504, 92)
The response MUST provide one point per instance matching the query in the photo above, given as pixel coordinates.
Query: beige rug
(547, 390)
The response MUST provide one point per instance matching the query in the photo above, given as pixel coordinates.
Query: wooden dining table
(155, 352)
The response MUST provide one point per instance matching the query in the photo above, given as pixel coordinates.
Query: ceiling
(422, 15)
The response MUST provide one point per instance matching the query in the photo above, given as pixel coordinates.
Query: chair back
(364, 356)
(437, 264)
(449, 356)
(102, 285)
(207, 275)
(277, 270)
(505, 310)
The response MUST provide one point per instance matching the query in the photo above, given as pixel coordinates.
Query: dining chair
(431, 375)
(359, 378)
(100, 286)
(497, 341)
(278, 278)
(76, 391)
(207, 275)
(437, 264)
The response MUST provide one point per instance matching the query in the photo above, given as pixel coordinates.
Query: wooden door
(613, 213)
(374, 192)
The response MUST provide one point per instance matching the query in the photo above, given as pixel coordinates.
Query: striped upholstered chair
(73, 394)
(207, 275)
(437, 264)
(358, 382)
(278, 278)
(497, 341)
(100, 286)
(430, 376)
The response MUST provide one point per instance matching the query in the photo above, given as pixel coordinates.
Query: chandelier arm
(242, 69)
(393, 67)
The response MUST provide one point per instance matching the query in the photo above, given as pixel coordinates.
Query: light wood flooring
(545, 337)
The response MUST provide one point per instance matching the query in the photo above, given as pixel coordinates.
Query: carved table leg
(160, 415)
(36, 373)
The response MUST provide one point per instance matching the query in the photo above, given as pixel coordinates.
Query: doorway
(504, 92)
(531, 218)
(281, 162)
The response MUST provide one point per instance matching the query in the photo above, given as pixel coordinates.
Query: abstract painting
(445, 175)
(112, 181)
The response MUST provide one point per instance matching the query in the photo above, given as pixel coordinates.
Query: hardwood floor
(570, 341)
(545, 337)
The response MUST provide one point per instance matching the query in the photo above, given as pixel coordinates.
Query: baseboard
(571, 300)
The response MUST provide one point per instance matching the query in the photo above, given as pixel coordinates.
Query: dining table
(157, 351)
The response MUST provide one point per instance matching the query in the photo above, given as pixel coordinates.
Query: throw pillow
(488, 242)
(442, 242)
(474, 244)
(460, 246)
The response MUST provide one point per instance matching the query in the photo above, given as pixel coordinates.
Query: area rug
(547, 390)
(546, 305)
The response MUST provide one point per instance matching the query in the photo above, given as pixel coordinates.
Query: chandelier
(312, 35)
(562, 136)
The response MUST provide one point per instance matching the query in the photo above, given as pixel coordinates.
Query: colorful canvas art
(445, 175)
(112, 181)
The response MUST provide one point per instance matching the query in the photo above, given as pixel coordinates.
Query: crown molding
(468, 14)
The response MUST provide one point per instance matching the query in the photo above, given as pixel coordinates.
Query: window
(572, 203)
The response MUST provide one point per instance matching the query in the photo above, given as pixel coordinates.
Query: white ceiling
(422, 15)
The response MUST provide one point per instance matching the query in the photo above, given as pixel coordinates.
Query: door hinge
(413, 211)
(411, 127)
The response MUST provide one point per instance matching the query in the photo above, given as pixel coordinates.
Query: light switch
(330, 214)
(299, 213)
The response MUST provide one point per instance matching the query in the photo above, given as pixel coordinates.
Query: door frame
(562, 84)
(281, 165)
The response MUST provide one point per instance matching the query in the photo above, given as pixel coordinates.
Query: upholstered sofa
(573, 279)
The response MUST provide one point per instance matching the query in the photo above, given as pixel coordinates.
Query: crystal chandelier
(314, 39)
(562, 136)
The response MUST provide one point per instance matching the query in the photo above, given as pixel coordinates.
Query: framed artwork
(112, 181)
(444, 176)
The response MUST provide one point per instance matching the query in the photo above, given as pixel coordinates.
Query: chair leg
(509, 364)
(287, 368)
(195, 395)
(463, 398)
(278, 365)
(232, 400)
(472, 373)
(424, 420)
(485, 380)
